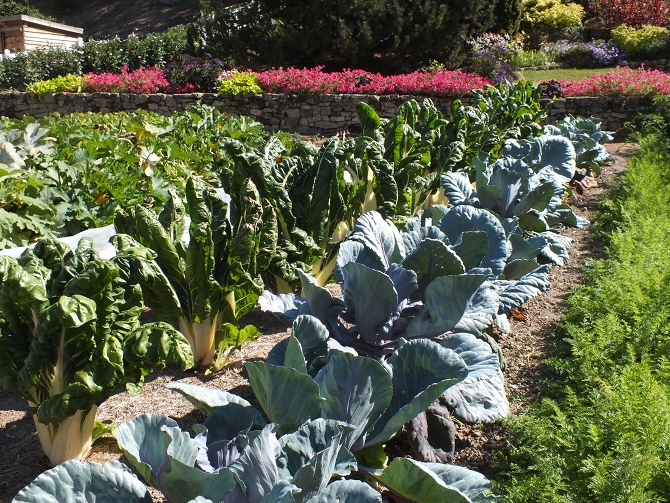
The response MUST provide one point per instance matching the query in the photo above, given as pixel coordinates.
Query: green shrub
(156, 49)
(643, 42)
(39, 64)
(553, 13)
(240, 82)
(15, 7)
(379, 35)
(67, 83)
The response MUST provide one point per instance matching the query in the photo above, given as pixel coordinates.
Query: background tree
(384, 35)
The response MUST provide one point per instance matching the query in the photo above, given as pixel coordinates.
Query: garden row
(426, 263)
(600, 432)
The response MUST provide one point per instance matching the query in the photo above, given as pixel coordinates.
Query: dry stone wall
(306, 114)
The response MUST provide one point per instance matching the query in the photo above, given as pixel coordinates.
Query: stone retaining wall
(310, 114)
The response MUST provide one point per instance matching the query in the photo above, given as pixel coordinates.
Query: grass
(602, 434)
(571, 74)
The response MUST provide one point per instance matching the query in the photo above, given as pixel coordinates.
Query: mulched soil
(21, 457)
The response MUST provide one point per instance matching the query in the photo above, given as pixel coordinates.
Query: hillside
(106, 18)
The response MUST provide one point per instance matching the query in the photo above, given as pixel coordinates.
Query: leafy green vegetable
(74, 481)
(205, 285)
(70, 337)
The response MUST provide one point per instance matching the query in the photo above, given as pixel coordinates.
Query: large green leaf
(313, 454)
(205, 399)
(347, 491)
(421, 371)
(480, 397)
(165, 457)
(433, 482)
(431, 260)
(466, 302)
(77, 482)
(357, 390)
(467, 218)
(276, 388)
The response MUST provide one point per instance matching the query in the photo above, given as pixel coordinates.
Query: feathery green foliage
(604, 433)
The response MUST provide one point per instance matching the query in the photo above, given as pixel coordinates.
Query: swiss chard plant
(70, 337)
(204, 275)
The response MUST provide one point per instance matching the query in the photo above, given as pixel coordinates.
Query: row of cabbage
(421, 283)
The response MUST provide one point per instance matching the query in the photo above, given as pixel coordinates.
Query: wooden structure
(23, 32)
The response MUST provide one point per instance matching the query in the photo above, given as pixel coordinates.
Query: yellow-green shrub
(640, 41)
(240, 82)
(68, 83)
(553, 13)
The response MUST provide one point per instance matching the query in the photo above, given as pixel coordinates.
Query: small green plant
(524, 59)
(645, 42)
(553, 13)
(67, 83)
(239, 82)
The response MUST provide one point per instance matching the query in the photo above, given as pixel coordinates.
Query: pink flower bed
(144, 81)
(434, 83)
(622, 81)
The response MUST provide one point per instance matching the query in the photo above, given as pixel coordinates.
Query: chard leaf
(76, 482)
(480, 397)
(421, 371)
(276, 388)
(347, 491)
(357, 390)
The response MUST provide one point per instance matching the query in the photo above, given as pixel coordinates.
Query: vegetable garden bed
(370, 211)
(21, 458)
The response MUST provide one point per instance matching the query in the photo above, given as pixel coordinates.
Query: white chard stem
(70, 439)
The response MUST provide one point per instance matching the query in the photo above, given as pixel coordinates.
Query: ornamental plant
(490, 56)
(612, 13)
(67, 84)
(144, 80)
(553, 13)
(622, 81)
(437, 83)
(644, 41)
(70, 337)
(189, 74)
(235, 82)
(584, 54)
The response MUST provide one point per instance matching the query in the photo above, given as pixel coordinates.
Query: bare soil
(102, 19)
(21, 457)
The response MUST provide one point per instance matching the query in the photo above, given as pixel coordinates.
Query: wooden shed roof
(44, 24)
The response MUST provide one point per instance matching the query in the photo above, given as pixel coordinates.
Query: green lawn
(561, 74)
(602, 432)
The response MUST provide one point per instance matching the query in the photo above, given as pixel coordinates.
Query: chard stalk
(370, 201)
(282, 285)
(324, 275)
(69, 439)
(201, 338)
